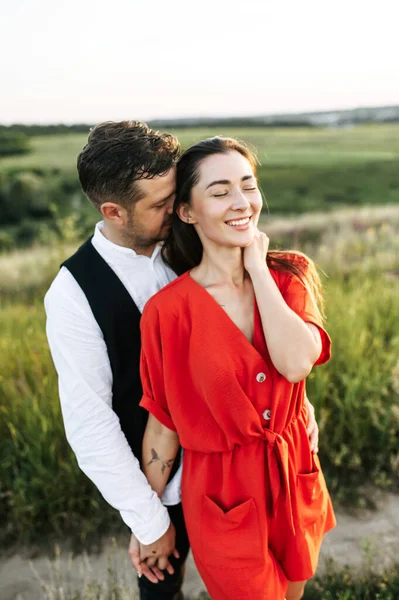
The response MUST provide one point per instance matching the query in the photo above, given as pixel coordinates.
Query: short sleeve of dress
(152, 369)
(300, 300)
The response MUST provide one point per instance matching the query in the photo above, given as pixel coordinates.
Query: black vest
(119, 320)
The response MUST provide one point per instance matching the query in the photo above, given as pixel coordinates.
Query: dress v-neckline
(256, 319)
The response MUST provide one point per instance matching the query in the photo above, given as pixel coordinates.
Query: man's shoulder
(63, 291)
(64, 284)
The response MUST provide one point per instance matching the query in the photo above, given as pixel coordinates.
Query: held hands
(312, 427)
(254, 255)
(152, 559)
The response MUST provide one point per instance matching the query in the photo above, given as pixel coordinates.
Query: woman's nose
(240, 201)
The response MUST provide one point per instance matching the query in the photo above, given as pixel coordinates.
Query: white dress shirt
(85, 387)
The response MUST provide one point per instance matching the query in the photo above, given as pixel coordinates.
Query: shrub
(346, 583)
(26, 197)
(12, 142)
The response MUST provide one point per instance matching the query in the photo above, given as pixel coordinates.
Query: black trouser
(167, 589)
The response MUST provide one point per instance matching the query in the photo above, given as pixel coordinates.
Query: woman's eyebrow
(227, 181)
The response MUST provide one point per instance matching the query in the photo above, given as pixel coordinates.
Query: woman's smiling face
(226, 202)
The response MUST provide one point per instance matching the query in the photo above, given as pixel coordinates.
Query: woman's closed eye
(246, 189)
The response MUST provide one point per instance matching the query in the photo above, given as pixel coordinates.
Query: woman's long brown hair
(182, 250)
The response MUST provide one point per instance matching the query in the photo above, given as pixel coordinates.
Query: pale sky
(94, 60)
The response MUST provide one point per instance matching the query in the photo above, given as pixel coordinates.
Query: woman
(226, 348)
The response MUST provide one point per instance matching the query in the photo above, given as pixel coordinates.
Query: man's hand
(312, 427)
(157, 554)
(154, 574)
(152, 559)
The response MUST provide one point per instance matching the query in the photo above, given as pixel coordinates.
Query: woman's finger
(169, 568)
(314, 439)
(149, 574)
(158, 573)
(136, 562)
(311, 419)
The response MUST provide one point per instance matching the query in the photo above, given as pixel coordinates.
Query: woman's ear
(185, 213)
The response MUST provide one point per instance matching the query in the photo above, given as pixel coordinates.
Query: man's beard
(135, 238)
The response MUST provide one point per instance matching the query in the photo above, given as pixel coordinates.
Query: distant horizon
(220, 116)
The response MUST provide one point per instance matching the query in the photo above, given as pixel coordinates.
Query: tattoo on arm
(166, 464)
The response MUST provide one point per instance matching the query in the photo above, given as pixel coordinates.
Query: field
(301, 170)
(333, 194)
(275, 147)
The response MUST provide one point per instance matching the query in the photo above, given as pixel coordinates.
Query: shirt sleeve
(92, 427)
(152, 368)
(300, 300)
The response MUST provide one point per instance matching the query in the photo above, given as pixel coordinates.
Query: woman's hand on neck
(254, 255)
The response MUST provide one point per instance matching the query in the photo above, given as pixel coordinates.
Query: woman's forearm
(293, 345)
(160, 447)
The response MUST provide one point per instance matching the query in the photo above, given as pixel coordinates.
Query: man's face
(150, 218)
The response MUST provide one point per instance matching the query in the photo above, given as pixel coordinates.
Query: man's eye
(250, 189)
(160, 206)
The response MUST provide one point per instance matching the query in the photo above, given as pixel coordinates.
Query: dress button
(267, 414)
(261, 377)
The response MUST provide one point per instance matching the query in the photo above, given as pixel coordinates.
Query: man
(93, 311)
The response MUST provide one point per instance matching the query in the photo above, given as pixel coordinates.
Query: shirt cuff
(158, 412)
(325, 353)
(149, 532)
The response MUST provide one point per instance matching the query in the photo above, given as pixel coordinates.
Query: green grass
(356, 395)
(275, 147)
(304, 146)
(43, 492)
(324, 187)
(48, 152)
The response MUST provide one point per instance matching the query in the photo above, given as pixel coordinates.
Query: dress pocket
(230, 539)
(312, 495)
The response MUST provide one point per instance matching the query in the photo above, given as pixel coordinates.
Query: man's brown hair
(117, 155)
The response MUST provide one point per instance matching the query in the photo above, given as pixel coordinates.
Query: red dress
(254, 497)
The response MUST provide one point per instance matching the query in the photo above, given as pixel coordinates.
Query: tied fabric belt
(277, 459)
